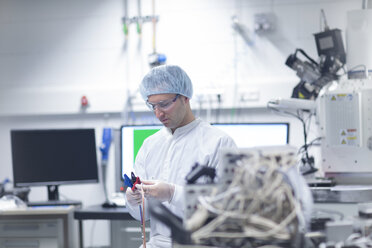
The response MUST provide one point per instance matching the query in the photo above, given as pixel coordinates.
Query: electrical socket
(250, 96)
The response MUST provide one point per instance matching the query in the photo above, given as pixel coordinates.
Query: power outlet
(249, 96)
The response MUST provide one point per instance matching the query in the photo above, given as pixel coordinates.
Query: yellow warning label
(352, 138)
(349, 137)
(341, 97)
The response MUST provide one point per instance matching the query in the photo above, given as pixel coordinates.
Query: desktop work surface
(97, 212)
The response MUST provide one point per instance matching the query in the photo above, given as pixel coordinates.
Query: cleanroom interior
(54, 55)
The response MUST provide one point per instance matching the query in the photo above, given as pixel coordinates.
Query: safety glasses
(162, 105)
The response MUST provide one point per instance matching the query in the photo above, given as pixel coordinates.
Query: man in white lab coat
(166, 157)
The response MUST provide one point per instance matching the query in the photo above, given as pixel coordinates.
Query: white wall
(53, 52)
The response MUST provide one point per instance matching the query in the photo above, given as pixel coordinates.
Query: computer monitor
(244, 134)
(132, 138)
(53, 157)
(248, 135)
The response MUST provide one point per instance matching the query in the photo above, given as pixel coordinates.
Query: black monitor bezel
(59, 182)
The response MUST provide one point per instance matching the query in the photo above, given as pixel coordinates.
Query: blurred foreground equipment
(260, 199)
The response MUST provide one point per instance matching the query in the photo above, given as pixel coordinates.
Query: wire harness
(260, 205)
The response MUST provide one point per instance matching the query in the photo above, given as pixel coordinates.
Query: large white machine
(343, 101)
(344, 108)
(345, 121)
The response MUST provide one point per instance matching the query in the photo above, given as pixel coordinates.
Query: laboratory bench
(125, 231)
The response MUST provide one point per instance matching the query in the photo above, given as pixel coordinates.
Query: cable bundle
(307, 161)
(259, 207)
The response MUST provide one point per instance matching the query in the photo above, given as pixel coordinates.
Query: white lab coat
(169, 157)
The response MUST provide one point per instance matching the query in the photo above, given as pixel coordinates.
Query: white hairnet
(166, 79)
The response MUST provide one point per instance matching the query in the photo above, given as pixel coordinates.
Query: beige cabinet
(46, 227)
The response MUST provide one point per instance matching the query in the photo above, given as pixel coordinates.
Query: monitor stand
(53, 199)
(53, 193)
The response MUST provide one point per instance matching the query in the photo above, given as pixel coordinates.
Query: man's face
(170, 109)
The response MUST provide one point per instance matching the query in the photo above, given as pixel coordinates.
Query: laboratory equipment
(342, 104)
(294, 104)
(315, 75)
(303, 110)
(53, 157)
(155, 58)
(344, 109)
(259, 199)
(345, 123)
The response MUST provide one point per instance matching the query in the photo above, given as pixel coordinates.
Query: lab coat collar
(181, 130)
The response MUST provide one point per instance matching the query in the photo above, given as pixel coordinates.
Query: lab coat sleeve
(178, 197)
(135, 212)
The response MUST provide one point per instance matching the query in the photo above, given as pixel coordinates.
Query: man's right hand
(134, 198)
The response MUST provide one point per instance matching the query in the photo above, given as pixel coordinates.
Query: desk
(42, 226)
(342, 194)
(99, 213)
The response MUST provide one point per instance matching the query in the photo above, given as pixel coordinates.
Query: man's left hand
(159, 190)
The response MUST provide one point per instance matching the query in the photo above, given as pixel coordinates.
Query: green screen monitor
(132, 138)
(245, 135)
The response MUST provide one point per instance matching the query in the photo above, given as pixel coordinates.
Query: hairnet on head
(166, 79)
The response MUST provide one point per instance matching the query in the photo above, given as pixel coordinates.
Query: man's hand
(159, 190)
(134, 197)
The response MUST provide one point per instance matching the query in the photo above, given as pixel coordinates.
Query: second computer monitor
(244, 134)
